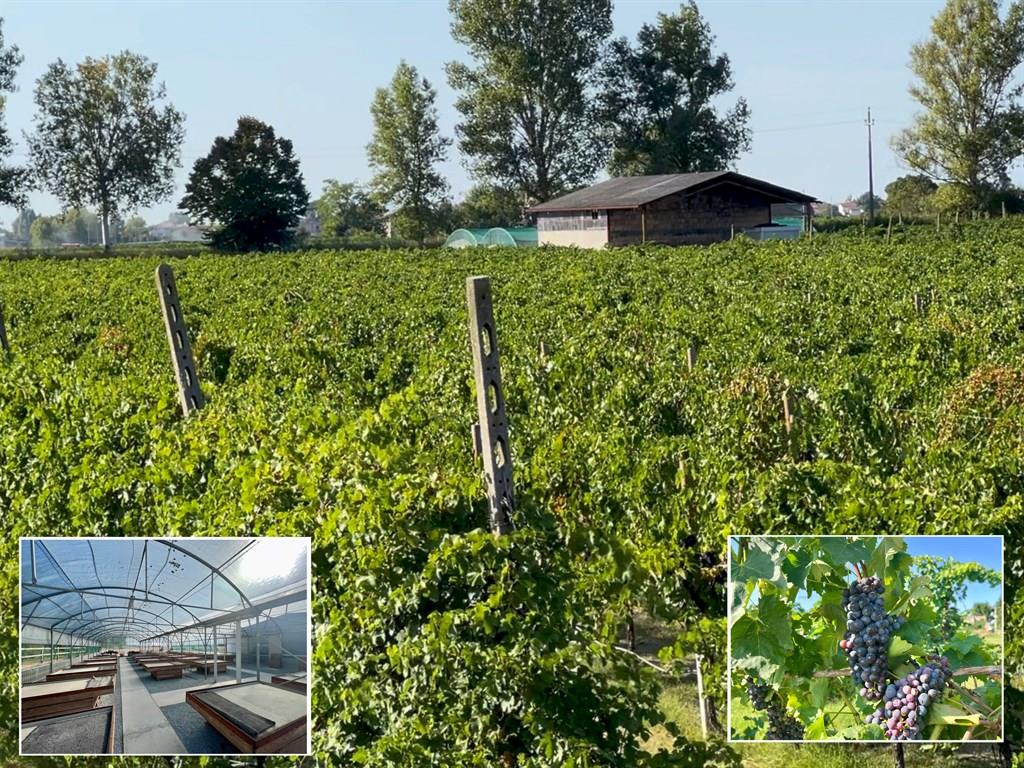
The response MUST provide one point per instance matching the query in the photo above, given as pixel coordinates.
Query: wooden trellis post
(490, 434)
(3, 333)
(189, 393)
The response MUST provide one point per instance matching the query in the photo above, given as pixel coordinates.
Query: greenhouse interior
(164, 646)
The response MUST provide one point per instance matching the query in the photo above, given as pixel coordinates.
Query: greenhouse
(510, 237)
(164, 646)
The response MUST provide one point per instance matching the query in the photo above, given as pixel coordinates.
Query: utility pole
(871, 176)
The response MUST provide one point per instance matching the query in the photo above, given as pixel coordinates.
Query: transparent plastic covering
(128, 590)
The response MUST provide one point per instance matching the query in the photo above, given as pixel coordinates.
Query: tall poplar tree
(13, 180)
(529, 122)
(405, 150)
(971, 127)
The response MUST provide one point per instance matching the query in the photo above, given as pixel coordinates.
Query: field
(340, 406)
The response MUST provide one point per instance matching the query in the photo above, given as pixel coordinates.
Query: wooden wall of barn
(705, 217)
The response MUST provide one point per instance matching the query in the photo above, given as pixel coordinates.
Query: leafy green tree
(45, 232)
(947, 581)
(972, 124)
(248, 191)
(952, 198)
(79, 226)
(864, 200)
(488, 205)
(910, 195)
(347, 208)
(405, 151)
(104, 136)
(22, 223)
(659, 102)
(135, 230)
(13, 180)
(528, 114)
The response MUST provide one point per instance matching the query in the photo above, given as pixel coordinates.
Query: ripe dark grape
(868, 629)
(781, 726)
(908, 699)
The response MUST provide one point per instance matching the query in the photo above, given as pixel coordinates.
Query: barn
(672, 209)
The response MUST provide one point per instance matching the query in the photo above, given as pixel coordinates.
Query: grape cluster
(781, 726)
(868, 628)
(907, 700)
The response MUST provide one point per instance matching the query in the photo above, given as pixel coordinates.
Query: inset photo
(865, 638)
(194, 646)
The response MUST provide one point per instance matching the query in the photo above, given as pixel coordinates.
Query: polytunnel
(193, 644)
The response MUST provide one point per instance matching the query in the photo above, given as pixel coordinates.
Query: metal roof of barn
(625, 192)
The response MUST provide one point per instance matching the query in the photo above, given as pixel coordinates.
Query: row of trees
(918, 196)
(546, 99)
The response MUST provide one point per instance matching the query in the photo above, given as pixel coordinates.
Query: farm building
(164, 646)
(672, 209)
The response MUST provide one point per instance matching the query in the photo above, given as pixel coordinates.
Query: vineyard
(657, 399)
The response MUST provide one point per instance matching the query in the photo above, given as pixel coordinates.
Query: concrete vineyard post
(4, 346)
(490, 401)
(918, 304)
(545, 352)
(788, 410)
(189, 393)
(691, 357)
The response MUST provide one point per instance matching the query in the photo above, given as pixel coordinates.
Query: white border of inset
(728, 633)
(309, 640)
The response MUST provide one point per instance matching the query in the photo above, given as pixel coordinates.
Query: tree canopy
(528, 119)
(972, 124)
(13, 180)
(345, 208)
(104, 136)
(405, 150)
(910, 195)
(489, 205)
(659, 100)
(248, 191)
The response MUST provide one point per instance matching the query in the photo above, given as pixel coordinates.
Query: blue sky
(981, 549)
(808, 69)
(986, 550)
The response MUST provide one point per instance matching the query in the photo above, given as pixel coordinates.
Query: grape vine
(781, 725)
(853, 659)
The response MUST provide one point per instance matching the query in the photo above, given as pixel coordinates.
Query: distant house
(176, 230)
(850, 208)
(824, 209)
(672, 209)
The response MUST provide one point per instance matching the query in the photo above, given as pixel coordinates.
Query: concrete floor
(151, 716)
